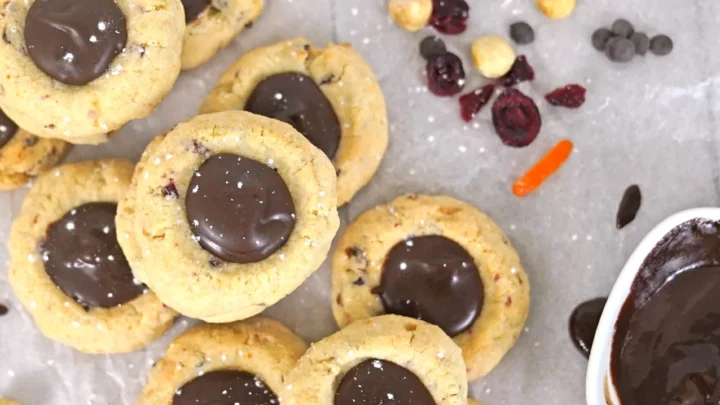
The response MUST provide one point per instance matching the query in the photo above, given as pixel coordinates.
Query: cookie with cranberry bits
(388, 358)
(329, 95)
(232, 212)
(68, 64)
(24, 155)
(68, 270)
(212, 24)
(5, 401)
(437, 259)
(243, 362)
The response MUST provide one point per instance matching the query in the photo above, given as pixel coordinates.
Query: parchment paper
(652, 122)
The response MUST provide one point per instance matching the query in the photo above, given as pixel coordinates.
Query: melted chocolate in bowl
(666, 347)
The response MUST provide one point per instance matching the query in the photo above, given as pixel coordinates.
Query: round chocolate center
(434, 279)
(8, 128)
(83, 258)
(193, 9)
(240, 210)
(74, 41)
(296, 99)
(374, 382)
(225, 387)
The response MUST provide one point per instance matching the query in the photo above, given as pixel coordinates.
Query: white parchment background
(651, 122)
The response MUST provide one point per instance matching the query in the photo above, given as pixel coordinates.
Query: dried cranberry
(450, 16)
(170, 190)
(520, 72)
(516, 118)
(472, 103)
(445, 73)
(570, 96)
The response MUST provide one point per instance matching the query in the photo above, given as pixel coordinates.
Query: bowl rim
(599, 362)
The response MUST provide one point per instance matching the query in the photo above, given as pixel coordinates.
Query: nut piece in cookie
(244, 362)
(411, 15)
(68, 64)
(23, 155)
(439, 260)
(329, 95)
(68, 269)
(212, 24)
(387, 358)
(227, 214)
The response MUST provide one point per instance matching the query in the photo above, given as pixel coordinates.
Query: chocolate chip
(431, 47)
(297, 100)
(249, 25)
(8, 129)
(376, 381)
(240, 210)
(75, 41)
(352, 251)
(359, 281)
(600, 38)
(629, 206)
(584, 322)
(641, 41)
(661, 45)
(170, 190)
(193, 9)
(4, 310)
(522, 33)
(82, 257)
(225, 387)
(622, 28)
(620, 49)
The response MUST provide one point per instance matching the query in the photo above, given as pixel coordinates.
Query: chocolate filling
(75, 41)
(296, 99)
(434, 279)
(83, 258)
(8, 129)
(374, 382)
(240, 210)
(666, 347)
(225, 387)
(193, 9)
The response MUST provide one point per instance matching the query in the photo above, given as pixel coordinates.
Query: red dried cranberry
(170, 190)
(520, 72)
(472, 103)
(445, 73)
(570, 96)
(450, 16)
(516, 118)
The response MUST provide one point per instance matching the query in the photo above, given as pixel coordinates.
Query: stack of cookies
(231, 211)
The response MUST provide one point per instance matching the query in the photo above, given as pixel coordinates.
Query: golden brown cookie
(231, 212)
(5, 401)
(79, 69)
(215, 362)
(404, 359)
(436, 258)
(67, 268)
(212, 24)
(23, 155)
(330, 95)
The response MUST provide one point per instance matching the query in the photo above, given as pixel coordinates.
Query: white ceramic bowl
(599, 365)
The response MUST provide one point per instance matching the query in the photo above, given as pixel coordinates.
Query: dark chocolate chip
(431, 47)
(75, 41)
(240, 210)
(434, 279)
(297, 100)
(4, 310)
(661, 45)
(584, 322)
(193, 9)
(620, 49)
(83, 258)
(629, 206)
(522, 33)
(374, 382)
(8, 128)
(225, 387)
(641, 41)
(622, 28)
(359, 281)
(601, 37)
